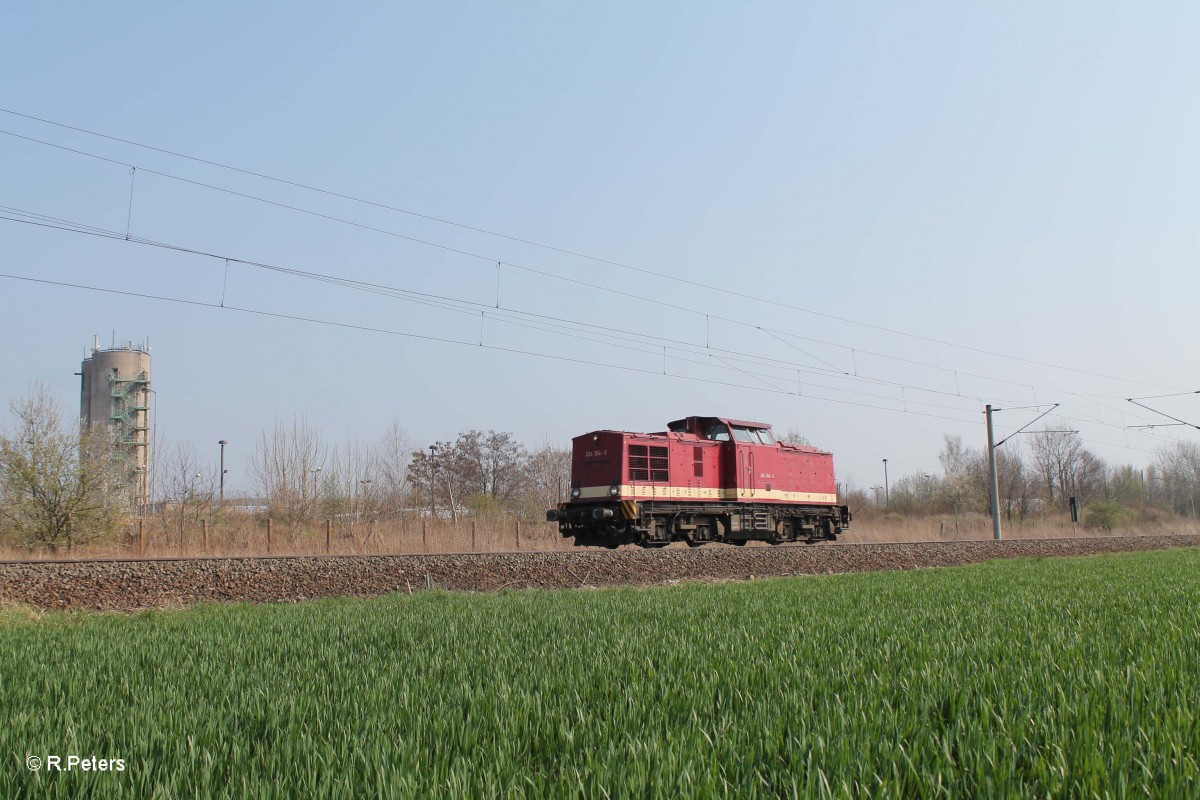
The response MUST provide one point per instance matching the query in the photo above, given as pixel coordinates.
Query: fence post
(204, 533)
(268, 536)
(473, 536)
(328, 534)
(424, 534)
(182, 528)
(141, 536)
(518, 534)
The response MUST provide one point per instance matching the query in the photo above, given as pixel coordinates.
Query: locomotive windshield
(753, 435)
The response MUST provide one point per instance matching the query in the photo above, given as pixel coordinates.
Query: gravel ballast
(173, 583)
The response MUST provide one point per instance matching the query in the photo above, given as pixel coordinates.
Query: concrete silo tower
(115, 391)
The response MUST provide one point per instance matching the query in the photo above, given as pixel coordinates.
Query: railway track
(581, 551)
(133, 584)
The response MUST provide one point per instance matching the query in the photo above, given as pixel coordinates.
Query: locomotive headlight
(575, 493)
(614, 491)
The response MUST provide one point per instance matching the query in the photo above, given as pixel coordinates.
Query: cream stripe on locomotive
(699, 493)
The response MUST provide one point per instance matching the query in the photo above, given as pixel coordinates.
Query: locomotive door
(756, 461)
(740, 477)
(747, 458)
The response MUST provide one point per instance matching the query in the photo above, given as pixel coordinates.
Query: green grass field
(1075, 677)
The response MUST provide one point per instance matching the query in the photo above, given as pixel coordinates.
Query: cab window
(743, 434)
(718, 432)
(764, 436)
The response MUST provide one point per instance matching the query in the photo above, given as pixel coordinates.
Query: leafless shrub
(60, 484)
(286, 468)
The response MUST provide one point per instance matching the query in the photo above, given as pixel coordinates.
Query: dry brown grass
(966, 527)
(247, 536)
(243, 536)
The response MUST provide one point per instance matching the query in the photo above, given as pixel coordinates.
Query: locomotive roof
(803, 448)
(743, 423)
(740, 422)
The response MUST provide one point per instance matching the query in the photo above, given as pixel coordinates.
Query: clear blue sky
(1017, 177)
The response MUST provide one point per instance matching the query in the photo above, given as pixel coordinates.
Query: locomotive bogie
(659, 524)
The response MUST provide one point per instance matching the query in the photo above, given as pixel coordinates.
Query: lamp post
(362, 489)
(150, 457)
(432, 476)
(315, 487)
(223, 471)
(185, 500)
(887, 494)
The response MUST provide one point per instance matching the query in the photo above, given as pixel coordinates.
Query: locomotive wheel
(693, 542)
(738, 542)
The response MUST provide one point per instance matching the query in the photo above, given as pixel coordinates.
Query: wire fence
(153, 537)
(238, 535)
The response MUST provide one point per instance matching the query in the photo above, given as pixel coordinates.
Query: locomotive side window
(639, 462)
(743, 434)
(764, 436)
(718, 432)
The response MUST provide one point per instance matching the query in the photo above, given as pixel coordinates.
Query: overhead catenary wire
(341, 281)
(1165, 414)
(1026, 425)
(422, 300)
(903, 400)
(555, 276)
(518, 351)
(724, 291)
(447, 340)
(773, 333)
(449, 304)
(1159, 396)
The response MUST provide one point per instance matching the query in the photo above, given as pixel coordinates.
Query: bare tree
(914, 494)
(548, 478)
(189, 489)
(794, 436)
(961, 488)
(490, 464)
(286, 467)
(483, 471)
(1178, 468)
(1012, 478)
(434, 480)
(1065, 468)
(349, 485)
(394, 455)
(60, 484)
(1126, 486)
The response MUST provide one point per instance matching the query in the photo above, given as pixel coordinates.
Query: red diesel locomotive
(705, 479)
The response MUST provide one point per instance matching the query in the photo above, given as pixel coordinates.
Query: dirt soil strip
(133, 585)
